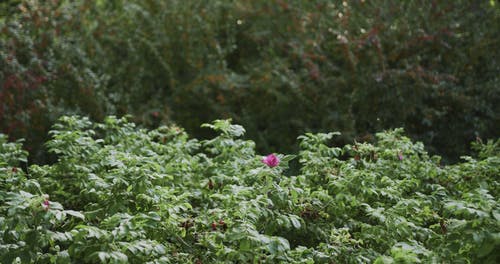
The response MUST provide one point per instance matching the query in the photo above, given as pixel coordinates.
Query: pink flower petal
(46, 205)
(271, 160)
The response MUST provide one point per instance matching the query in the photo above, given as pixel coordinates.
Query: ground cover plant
(121, 194)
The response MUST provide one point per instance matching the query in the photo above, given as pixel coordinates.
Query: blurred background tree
(279, 68)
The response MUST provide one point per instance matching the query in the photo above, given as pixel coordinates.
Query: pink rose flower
(271, 160)
(46, 205)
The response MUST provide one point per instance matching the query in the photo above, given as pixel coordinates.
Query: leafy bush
(120, 194)
(316, 66)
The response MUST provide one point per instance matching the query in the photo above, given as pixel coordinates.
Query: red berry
(214, 226)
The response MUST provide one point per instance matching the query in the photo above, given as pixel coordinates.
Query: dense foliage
(119, 194)
(280, 68)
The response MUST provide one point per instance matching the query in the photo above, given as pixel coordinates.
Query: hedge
(280, 68)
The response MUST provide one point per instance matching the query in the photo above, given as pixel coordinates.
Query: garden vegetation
(103, 159)
(121, 194)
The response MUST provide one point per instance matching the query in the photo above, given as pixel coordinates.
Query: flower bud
(46, 205)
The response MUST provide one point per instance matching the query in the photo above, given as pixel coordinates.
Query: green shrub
(121, 194)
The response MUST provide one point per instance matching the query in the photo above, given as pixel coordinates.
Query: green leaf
(75, 214)
(295, 221)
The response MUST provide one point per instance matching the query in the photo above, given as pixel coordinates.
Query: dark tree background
(280, 68)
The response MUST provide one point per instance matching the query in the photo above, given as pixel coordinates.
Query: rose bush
(122, 194)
